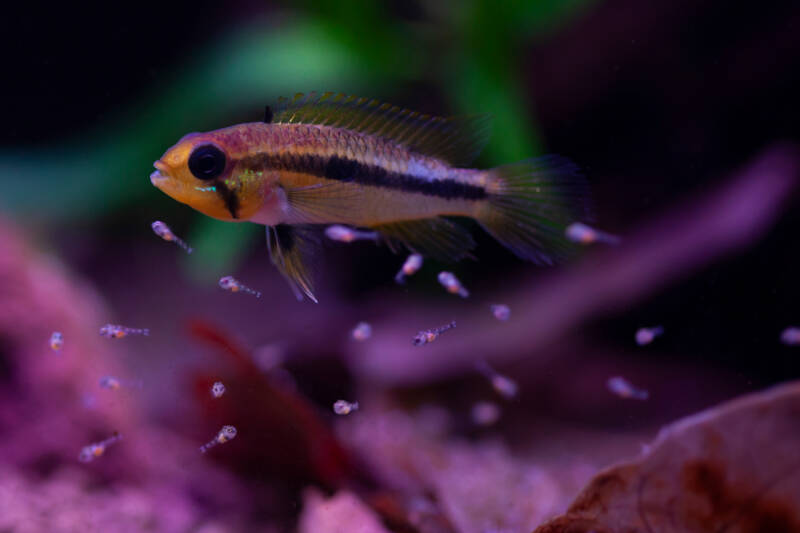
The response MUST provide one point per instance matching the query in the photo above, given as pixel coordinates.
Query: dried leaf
(734, 468)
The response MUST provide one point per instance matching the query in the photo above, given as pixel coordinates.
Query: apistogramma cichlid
(334, 158)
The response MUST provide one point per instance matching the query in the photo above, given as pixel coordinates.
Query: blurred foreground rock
(342, 513)
(51, 406)
(476, 487)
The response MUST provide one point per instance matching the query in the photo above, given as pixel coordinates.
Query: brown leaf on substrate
(734, 468)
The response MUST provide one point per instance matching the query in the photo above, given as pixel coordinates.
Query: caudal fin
(531, 203)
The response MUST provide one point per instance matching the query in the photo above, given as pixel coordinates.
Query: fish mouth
(157, 178)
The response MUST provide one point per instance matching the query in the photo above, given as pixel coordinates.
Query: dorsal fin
(456, 140)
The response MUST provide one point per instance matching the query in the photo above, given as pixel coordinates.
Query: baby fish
(500, 311)
(412, 264)
(225, 434)
(96, 449)
(56, 341)
(163, 231)
(450, 282)
(791, 336)
(362, 331)
(338, 159)
(112, 383)
(217, 389)
(624, 389)
(343, 407)
(485, 413)
(115, 331)
(645, 336)
(269, 356)
(430, 335)
(229, 283)
(340, 233)
(502, 385)
(583, 234)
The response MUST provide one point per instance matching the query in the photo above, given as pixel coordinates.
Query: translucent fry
(500, 311)
(112, 383)
(343, 407)
(645, 336)
(361, 332)
(163, 231)
(451, 283)
(217, 389)
(791, 336)
(229, 283)
(625, 389)
(412, 264)
(502, 385)
(115, 331)
(341, 233)
(485, 413)
(224, 435)
(583, 234)
(430, 335)
(56, 341)
(92, 451)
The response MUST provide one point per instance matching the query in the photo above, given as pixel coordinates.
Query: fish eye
(207, 162)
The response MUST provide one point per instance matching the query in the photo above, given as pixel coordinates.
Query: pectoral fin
(325, 202)
(292, 249)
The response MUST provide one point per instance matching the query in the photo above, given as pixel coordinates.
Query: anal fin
(292, 249)
(437, 238)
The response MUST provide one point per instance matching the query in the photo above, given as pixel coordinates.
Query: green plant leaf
(218, 248)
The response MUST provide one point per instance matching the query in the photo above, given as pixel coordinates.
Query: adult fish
(335, 158)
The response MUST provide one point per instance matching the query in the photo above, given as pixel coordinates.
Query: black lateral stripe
(229, 197)
(349, 170)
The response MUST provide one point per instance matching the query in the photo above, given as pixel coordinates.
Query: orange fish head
(203, 170)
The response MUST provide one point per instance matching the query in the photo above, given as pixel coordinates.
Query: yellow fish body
(333, 158)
